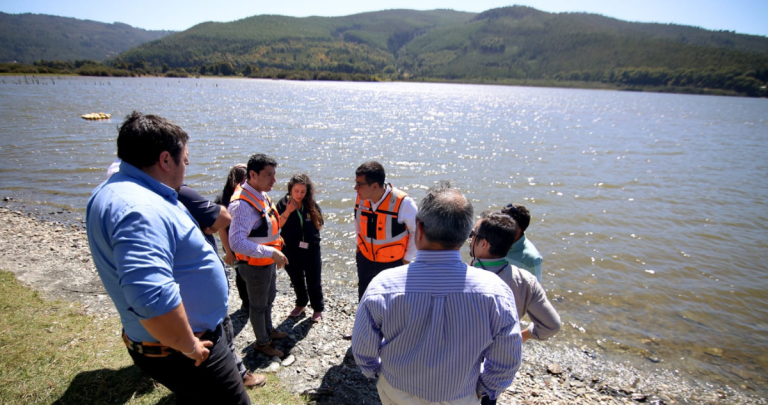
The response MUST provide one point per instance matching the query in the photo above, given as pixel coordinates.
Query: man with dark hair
(425, 328)
(491, 238)
(254, 236)
(166, 281)
(522, 253)
(385, 220)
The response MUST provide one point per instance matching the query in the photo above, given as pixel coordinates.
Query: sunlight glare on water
(649, 209)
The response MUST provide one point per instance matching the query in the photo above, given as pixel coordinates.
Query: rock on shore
(54, 258)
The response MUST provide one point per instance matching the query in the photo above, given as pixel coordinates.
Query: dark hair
(499, 230)
(373, 172)
(446, 216)
(258, 162)
(237, 175)
(519, 213)
(142, 138)
(309, 199)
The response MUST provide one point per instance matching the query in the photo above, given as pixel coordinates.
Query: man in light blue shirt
(425, 328)
(522, 253)
(166, 280)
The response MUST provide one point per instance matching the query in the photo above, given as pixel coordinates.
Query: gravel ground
(49, 252)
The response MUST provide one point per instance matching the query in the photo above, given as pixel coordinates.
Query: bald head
(446, 216)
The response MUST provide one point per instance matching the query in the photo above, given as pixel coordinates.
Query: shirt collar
(519, 244)
(253, 191)
(147, 181)
(387, 190)
(433, 256)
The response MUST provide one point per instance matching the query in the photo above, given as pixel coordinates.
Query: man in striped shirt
(425, 328)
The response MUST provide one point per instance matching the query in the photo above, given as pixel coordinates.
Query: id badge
(304, 245)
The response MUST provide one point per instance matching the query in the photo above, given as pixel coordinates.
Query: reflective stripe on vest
(388, 240)
(268, 233)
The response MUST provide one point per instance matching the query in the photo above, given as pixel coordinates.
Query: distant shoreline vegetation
(728, 82)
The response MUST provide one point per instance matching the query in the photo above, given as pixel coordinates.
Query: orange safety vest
(268, 232)
(381, 238)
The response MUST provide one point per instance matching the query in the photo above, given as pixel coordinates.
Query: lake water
(649, 209)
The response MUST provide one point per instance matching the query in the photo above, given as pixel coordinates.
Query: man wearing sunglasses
(490, 240)
(385, 220)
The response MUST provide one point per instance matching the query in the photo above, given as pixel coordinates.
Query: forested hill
(505, 45)
(26, 38)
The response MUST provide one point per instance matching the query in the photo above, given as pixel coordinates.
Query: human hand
(291, 206)
(201, 352)
(279, 258)
(209, 231)
(229, 258)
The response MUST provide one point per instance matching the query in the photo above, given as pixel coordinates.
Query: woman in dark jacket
(236, 176)
(300, 223)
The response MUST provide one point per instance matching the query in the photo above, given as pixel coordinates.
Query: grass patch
(52, 352)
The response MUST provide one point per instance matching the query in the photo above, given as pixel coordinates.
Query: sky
(742, 16)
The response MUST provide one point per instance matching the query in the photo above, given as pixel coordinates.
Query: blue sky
(742, 16)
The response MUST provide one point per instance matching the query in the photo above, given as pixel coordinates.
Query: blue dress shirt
(150, 254)
(428, 326)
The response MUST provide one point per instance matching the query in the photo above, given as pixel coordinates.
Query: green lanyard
(481, 264)
(301, 220)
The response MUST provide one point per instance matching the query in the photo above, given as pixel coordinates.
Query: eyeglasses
(362, 184)
(473, 234)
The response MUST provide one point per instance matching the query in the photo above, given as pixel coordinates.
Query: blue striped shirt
(428, 326)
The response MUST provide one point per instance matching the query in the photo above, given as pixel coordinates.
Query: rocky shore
(48, 251)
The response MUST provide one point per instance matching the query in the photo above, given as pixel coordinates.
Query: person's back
(450, 319)
(425, 328)
(523, 253)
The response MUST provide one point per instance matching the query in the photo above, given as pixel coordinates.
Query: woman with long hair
(236, 176)
(300, 223)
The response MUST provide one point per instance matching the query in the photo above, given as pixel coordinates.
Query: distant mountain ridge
(26, 38)
(508, 45)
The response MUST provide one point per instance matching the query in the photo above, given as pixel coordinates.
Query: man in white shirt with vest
(385, 221)
(254, 236)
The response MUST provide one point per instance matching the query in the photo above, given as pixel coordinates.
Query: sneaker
(297, 312)
(254, 380)
(317, 317)
(277, 335)
(268, 350)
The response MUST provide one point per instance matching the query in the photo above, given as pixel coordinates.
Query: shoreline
(50, 254)
(535, 83)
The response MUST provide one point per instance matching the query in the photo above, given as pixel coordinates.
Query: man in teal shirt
(522, 253)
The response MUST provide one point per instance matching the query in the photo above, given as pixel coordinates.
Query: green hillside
(362, 43)
(26, 38)
(509, 45)
(524, 43)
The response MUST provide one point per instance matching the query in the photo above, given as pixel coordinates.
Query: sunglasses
(473, 234)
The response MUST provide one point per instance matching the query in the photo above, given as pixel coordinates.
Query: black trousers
(242, 290)
(304, 269)
(367, 270)
(216, 381)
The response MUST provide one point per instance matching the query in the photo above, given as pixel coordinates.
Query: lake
(649, 209)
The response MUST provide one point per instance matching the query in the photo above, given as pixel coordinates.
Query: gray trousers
(262, 289)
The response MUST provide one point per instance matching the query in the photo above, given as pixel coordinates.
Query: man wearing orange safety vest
(385, 222)
(254, 236)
